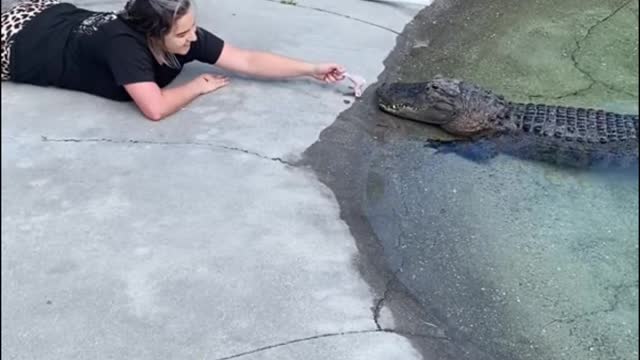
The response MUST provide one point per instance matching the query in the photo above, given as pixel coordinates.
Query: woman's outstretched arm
(268, 65)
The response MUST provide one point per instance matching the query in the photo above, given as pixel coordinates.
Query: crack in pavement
(576, 63)
(380, 303)
(613, 305)
(329, 335)
(310, 338)
(149, 142)
(340, 15)
(377, 308)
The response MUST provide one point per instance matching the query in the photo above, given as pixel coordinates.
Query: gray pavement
(194, 237)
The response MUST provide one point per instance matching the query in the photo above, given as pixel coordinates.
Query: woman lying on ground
(130, 55)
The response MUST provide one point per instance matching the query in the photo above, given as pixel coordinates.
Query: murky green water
(532, 261)
(524, 259)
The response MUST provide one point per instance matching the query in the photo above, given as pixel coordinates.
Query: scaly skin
(568, 135)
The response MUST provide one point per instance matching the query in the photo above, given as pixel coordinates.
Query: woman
(130, 55)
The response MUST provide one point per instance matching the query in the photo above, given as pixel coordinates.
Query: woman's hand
(207, 83)
(328, 73)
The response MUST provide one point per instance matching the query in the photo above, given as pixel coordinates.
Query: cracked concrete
(581, 52)
(199, 236)
(332, 335)
(613, 306)
(336, 13)
(325, 344)
(576, 63)
(385, 15)
(379, 304)
(608, 68)
(148, 142)
(291, 342)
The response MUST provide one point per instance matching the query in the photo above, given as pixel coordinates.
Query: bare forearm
(156, 103)
(174, 99)
(268, 65)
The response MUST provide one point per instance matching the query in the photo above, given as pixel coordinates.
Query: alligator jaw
(391, 109)
(394, 109)
(431, 102)
(385, 102)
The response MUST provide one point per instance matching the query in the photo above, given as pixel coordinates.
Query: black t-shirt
(94, 52)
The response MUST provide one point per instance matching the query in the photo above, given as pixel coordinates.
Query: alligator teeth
(390, 107)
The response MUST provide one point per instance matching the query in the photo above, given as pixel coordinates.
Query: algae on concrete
(575, 52)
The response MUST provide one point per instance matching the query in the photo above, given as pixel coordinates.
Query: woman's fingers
(214, 82)
(330, 78)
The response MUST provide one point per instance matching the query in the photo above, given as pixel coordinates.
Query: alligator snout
(384, 94)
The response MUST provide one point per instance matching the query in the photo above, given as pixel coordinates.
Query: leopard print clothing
(13, 20)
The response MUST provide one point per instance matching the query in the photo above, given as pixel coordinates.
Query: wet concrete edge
(339, 159)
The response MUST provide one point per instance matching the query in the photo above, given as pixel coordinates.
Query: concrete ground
(194, 237)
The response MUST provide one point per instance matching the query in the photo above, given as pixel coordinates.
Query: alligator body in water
(572, 136)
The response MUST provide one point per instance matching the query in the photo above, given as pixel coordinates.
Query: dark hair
(154, 18)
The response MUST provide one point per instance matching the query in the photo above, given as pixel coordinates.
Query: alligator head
(459, 108)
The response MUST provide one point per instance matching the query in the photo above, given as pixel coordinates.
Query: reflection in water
(536, 260)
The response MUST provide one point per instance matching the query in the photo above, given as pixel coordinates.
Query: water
(510, 259)
(530, 260)
(517, 259)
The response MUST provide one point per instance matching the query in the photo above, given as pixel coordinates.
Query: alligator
(579, 137)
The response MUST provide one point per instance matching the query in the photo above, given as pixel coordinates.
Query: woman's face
(182, 34)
